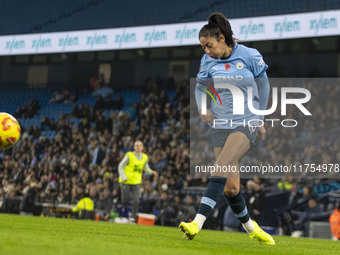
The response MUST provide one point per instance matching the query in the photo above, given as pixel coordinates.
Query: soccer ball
(9, 130)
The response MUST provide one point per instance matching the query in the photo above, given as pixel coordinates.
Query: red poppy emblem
(227, 66)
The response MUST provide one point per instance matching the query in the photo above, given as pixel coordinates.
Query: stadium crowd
(83, 159)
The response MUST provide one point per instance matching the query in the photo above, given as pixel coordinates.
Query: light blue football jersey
(239, 69)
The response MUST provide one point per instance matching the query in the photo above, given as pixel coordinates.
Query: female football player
(227, 62)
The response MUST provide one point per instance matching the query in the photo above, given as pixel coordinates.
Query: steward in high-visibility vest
(85, 203)
(130, 175)
(134, 165)
(334, 220)
(85, 208)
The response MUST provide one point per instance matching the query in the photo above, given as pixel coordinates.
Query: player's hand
(124, 180)
(207, 118)
(262, 133)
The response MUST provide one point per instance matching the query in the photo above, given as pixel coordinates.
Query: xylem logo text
(154, 36)
(125, 38)
(41, 43)
(322, 23)
(68, 41)
(15, 44)
(286, 26)
(96, 40)
(186, 34)
(252, 29)
(238, 100)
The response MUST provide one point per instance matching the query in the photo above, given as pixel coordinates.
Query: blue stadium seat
(96, 14)
(17, 98)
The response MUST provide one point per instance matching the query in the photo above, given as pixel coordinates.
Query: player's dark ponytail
(218, 24)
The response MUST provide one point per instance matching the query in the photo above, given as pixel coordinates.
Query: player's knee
(229, 160)
(231, 191)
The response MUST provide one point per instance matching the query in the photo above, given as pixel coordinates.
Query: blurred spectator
(312, 210)
(105, 91)
(75, 111)
(57, 97)
(149, 196)
(164, 210)
(294, 195)
(97, 153)
(11, 202)
(67, 198)
(105, 202)
(93, 194)
(306, 194)
(27, 205)
(1, 196)
(28, 110)
(45, 124)
(187, 210)
(230, 222)
(100, 103)
(109, 103)
(118, 104)
(64, 96)
(94, 82)
(255, 199)
(334, 220)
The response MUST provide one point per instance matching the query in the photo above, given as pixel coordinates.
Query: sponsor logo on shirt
(227, 78)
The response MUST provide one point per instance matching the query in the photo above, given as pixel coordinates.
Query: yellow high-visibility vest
(85, 203)
(134, 169)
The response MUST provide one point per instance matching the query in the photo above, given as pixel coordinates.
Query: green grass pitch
(34, 235)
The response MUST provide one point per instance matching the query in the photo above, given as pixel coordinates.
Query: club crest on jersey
(261, 62)
(239, 65)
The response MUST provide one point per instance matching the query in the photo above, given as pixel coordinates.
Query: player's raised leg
(211, 196)
(208, 202)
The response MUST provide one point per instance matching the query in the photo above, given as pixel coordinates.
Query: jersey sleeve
(203, 73)
(263, 83)
(203, 77)
(147, 168)
(256, 64)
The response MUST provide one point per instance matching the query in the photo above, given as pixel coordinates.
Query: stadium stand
(96, 14)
